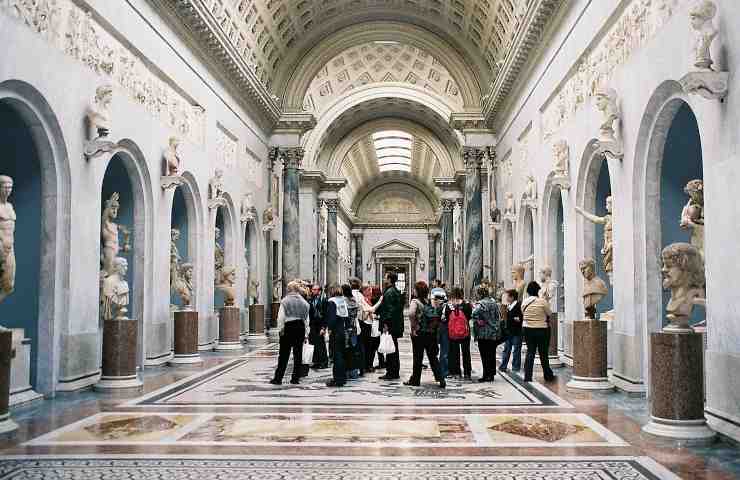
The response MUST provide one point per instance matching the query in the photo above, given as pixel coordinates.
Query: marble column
(332, 249)
(358, 254)
(473, 244)
(292, 158)
(448, 237)
(432, 257)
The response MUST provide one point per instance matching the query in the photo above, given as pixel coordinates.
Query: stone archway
(52, 312)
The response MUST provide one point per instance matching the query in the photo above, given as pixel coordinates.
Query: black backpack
(429, 318)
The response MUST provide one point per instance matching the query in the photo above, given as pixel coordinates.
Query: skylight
(393, 150)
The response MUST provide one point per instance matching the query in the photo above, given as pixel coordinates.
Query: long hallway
(226, 421)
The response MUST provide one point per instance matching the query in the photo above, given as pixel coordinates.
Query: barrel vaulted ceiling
(257, 45)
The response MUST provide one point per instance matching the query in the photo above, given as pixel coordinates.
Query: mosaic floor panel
(519, 468)
(244, 382)
(356, 430)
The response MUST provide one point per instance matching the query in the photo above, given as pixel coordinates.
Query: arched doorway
(508, 260)
(35, 155)
(527, 244)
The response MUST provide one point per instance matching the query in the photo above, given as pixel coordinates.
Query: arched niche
(594, 187)
(185, 216)
(553, 236)
(179, 220)
(251, 264)
(127, 174)
(508, 250)
(224, 219)
(527, 247)
(35, 155)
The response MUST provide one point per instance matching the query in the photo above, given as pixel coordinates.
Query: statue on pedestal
(115, 292)
(268, 219)
(172, 161)
(248, 212)
(549, 290)
(184, 285)
(517, 278)
(702, 16)
(683, 275)
(254, 291)
(216, 185)
(606, 103)
(109, 231)
(226, 285)
(530, 192)
(509, 206)
(692, 215)
(607, 251)
(218, 256)
(594, 288)
(175, 257)
(99, 121)
(7, 238)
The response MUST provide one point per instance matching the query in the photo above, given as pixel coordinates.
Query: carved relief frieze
(78, 34)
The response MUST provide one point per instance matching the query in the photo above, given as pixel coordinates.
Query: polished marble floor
(224, 420)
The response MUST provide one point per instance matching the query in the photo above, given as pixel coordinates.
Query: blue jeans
(516, 362)
(443, 338)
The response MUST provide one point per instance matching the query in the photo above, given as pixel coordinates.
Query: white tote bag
(307, 353)
(386, 344)
(375, 331)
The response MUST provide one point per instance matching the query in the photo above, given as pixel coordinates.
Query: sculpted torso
(7, 251)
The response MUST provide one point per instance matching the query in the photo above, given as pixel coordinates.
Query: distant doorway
(403, 277)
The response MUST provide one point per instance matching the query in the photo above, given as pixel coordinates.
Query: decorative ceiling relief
(395, 203)
(637, 25)
(225, 147)
(74, 31)
(379, 62)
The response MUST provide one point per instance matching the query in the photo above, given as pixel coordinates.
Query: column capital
(447, 205)
(290, 157)
(433, 236)
(332, 204)
(473, 157)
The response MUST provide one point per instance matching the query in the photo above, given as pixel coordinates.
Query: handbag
(375, 329)
(387, 346)
(307, 353)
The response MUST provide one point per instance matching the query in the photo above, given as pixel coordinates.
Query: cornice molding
(193, 21)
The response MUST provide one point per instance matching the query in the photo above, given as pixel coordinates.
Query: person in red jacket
(458, 313)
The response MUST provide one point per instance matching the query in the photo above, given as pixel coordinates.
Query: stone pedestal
(186, 338)
(589, 356)
(275, 311)
(555, 360)
(229, 325)
(6, 355)
(677, 387)
(21, 391)
(120, 339)
(256, 319)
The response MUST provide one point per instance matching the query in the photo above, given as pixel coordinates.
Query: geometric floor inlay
(318, 429)
(244, 381)
(518, 468)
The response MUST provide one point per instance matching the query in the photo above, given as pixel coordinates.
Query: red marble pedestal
(186, 338)
(554, 356)
(257, 319)
(229, 323)
(677, 387)
(589, 356)
(6, 355)
(275, 311)
(120, 341)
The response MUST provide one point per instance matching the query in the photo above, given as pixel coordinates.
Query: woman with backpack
(488, 331)
(458, 314)
(337, 319)
(424, 317)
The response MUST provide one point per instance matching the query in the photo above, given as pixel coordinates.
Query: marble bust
(594, 288)
(247, 208)
(683, 275)
(701, 16)
(216, 185)
(692, 215)
(184, 285)
(99, 115)
(268, 219)
(7, 238)
(561, 152)
(607, 250)
(109, 234)
(115, 292)
(509, 206)
(549, 290)
(254, 291)
(172, 161)
(606, 103)
(530, 192)
(226, 285)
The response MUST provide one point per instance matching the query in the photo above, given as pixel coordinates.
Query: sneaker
(275, 381)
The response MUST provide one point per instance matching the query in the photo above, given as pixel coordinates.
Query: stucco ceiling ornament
(609, 142)
(704, 80)
(99, 124)
(561, 171)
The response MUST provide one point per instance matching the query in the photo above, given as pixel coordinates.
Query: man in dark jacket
(514, 319)
(391, 320)
(318, 328)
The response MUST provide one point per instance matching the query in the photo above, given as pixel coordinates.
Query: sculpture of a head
(6, 187)
(111, 206)
(104, 95)
(174, 142)
(702, 12)
(186, 270)
(517, 272)
(695, 190)
(545, 273)
(588, 268)
(683, 266)
(609, 204)
(120, 266)
(175, 234)
(605, 99)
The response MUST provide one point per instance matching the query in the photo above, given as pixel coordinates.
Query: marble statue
(607, 251)
(247, 208)
(594, 288)
(561, 152)
(218, 256)
(510, 207)
(517, 279)
(606, 103)
(254, 291)
(7, 238)
(109, 233)
(216, 185)
(277, 284)
(323, 218)
(683, 275)
(172, 160)
(175, 257)
(184, 285)
(115, 292)
(99, 121)
(530, 191)
(268, 219)
(692, 215)
(702, 16)
(226, 285)
(549, 290)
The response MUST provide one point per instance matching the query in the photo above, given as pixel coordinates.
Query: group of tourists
(364, 323)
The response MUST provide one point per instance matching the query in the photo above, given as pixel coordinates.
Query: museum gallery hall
(369, 239)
